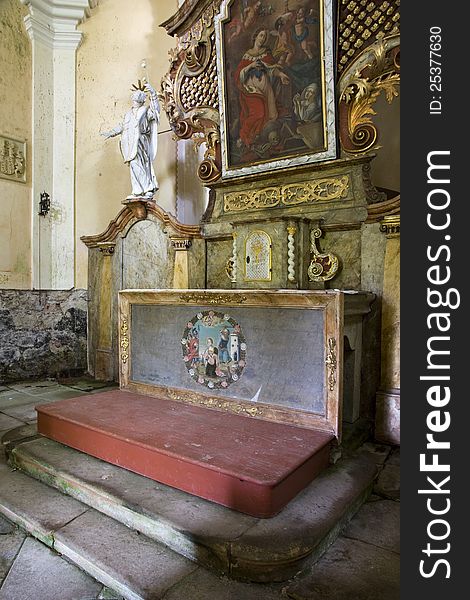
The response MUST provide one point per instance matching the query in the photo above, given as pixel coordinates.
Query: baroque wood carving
(367, 65)
(189, 91)
(374, 71)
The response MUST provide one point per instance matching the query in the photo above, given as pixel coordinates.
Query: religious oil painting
(276, 84)
(214, 349)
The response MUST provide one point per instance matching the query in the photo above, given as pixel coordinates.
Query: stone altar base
(250, 465)
(178, 525)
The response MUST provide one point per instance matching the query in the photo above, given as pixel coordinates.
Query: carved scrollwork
(331, 363)
(124, 343)
(189, 92)
(305, 192)
(208, 298)
(323, 267)
(376, 71)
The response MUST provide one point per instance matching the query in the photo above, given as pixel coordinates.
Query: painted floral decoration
(214, 349)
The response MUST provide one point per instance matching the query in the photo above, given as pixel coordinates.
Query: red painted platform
(247, 464)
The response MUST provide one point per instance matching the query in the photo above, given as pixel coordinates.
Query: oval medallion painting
(214, 349)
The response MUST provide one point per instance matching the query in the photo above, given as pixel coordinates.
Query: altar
(234, 397)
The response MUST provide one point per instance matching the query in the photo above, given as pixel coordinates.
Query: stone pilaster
(387, 420)
(181, 270)
(52, 27)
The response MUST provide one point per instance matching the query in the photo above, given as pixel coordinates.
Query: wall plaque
(12, 159)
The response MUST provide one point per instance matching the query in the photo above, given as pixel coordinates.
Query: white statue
(138, 143)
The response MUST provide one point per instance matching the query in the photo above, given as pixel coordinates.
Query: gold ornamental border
(329, 302)
(304, 192)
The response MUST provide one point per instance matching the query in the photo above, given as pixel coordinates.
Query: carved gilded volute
(189, 90)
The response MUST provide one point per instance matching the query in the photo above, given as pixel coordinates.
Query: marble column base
(387, 417)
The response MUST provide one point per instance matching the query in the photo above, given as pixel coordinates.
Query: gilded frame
(331, 302)
(267, 156)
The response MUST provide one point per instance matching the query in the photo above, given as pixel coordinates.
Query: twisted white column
(291, 254)
(234, 258)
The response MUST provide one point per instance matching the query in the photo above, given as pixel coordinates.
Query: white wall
(117, 37)
(15, 122)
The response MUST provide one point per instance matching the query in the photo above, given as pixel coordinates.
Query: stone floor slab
(7, 423)
(388, 483)
(394, 458)
(350, 570)
(34, 506)
(202, 585)
(25, 431)
(86, 384)
(23, 412)
(377, 523)
(26, 411)
(11, 398)
(10, 544)
(5, 526)
(379, 452)
(35, 387)
(40, 574)
(120, 558)
(63, 393)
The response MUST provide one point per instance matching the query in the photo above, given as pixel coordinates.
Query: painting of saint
(274, 89)
(214, 349)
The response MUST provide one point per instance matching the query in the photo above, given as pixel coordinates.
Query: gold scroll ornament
(331, 363)
(322, 266)
(202, 298)
(211, 402)
(305, 192)
(124, 341)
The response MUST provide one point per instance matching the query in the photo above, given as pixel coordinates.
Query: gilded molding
(124, 343)
(323, 267)
(331, 362)
(179, 244)
(390, 225)
(226, 405)
(305, 192)
(127, 217)
(209, 298)
(106, 248)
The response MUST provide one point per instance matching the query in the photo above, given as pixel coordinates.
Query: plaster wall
(116, 39)
(385, 168)
(15, 122)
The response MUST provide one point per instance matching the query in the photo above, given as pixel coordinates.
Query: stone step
(241, 546)
(120, 558)
(254, 466)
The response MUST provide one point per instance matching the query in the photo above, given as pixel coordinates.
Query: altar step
(252, 465)
(179, 529)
